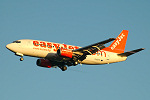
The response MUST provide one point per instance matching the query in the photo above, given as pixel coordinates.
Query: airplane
(52, 55)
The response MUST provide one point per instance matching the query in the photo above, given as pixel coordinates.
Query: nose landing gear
(21, 55)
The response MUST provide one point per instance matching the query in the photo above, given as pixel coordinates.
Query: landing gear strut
(63, 68)
(19, 54)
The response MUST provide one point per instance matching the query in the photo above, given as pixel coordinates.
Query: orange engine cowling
(44, 63)
(65, 52)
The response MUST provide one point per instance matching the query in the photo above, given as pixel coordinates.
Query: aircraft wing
(91, 49)
(82, 53)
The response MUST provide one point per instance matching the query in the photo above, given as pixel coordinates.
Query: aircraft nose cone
(8, 46)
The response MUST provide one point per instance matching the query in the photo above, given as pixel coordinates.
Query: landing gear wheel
(21, 59)
(75, 63)
(63, 68)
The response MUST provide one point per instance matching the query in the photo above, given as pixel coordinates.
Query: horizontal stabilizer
(126, 54)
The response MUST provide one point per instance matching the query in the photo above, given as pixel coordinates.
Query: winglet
(126, 54)
(118, 45)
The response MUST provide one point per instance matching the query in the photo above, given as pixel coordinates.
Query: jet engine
(44, 63)
(65, 52)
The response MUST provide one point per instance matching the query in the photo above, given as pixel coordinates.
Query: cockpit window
(16, 41)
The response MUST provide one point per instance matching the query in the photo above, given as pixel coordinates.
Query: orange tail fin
(118, 45)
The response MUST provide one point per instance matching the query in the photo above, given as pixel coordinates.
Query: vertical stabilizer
(118, 45)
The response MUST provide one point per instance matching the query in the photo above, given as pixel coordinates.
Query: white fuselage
(43, 49)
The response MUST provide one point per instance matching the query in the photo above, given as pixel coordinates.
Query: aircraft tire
(64, 68)
(75, 63)
(21, 59)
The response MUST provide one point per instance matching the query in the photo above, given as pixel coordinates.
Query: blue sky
(81, 23)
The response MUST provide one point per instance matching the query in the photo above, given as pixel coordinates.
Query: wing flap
(126, 54)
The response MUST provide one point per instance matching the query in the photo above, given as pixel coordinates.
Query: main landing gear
(75, 63)
(63, 68)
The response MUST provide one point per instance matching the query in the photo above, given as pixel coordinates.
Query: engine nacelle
(44, 63)
(65, 53)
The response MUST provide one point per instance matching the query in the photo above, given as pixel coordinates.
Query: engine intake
(44, 63)
(65, 52)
